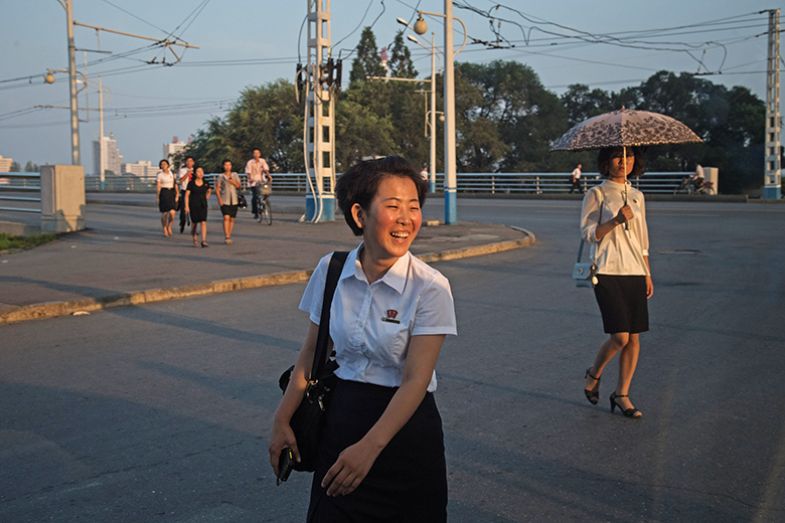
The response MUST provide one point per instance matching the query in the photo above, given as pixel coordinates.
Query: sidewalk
(124, 259)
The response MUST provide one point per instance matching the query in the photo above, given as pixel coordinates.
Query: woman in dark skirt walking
(613, 221)
(381, 452)
(166, 195)
(197, 195)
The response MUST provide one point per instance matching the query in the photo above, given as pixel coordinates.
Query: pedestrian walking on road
(226, 187)
(258, 179)
(184, 176)
(613, 222)
(575, 179)
(381, 450)
(197, 195)
(166, 194)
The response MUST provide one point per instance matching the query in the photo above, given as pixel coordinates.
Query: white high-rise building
(173, 148)
(142, 169)
(112, 157)
(5, 164)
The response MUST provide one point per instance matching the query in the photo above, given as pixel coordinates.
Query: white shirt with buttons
(622, 251)
(371, 324)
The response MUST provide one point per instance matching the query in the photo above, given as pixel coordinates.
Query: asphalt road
(161, 413)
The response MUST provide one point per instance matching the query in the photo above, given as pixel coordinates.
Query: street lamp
(432, 111)
(450, 178)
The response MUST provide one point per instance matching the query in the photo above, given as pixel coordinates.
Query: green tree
(526, 115)
(14, 166)
(267, 117)
(367, 62)
(31, 167)
(582, 103)
(401, 64)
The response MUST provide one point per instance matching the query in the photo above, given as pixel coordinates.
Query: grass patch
(24, 242)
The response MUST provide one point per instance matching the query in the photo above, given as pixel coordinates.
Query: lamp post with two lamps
(450, 178)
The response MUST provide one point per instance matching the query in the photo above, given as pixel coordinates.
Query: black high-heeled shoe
(593, 394)
(632, 412)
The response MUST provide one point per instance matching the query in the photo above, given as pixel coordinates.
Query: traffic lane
(522, 443)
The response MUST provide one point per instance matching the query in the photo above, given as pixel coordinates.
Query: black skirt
(623, 303)
(407, 482)
(167, 200)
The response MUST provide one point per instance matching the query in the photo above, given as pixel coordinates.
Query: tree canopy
(506, 120)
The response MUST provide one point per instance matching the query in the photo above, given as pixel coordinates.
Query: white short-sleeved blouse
(622, 251)
(371, 324)
(165, 179)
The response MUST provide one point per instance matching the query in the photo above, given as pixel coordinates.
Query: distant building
(5, 164)
(173, 148)
(112, 157)
(142, 169)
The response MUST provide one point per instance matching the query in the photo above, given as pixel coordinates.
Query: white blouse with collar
(371, 324)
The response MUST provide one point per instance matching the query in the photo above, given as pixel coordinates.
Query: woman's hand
(649, 287)
(625, 214)
(350, 469)
(282, 437)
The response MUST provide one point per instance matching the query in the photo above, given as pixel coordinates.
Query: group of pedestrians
(381, 448)
(189, 192)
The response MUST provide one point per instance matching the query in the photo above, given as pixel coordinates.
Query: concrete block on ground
(63, 202)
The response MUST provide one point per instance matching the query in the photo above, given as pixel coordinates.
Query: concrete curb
(40, 311)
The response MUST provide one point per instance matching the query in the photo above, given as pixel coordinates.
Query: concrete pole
(432, 183)
(772, 185)
(69, 15)
(101, 148)
(450, 179)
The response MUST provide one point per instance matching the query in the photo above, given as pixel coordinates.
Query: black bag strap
(320, 353)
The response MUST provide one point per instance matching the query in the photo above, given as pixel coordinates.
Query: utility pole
(450, 177)
(321, 88)
(69, 16)
(101, 143)
(772, 189)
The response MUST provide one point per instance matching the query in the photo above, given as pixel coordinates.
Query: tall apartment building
(112, 157)
(173, 148)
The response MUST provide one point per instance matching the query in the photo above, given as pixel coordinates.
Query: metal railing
(468, 183)
(29, 184)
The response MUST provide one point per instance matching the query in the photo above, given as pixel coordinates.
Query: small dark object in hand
(285, 465)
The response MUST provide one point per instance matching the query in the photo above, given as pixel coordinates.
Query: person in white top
(382, 440)
(613, 222)
(184, 176)
(258, 179)
(166, 195)
(575, 179)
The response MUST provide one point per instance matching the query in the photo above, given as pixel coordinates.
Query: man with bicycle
(259, 179)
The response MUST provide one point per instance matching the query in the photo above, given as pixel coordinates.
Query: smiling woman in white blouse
(613, 222)
(381, 453)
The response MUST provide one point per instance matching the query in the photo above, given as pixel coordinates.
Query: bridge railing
(22, 189)
(468, 183)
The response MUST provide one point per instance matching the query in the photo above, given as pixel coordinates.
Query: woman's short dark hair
(160, 164)
(605, 155)
(361, 181)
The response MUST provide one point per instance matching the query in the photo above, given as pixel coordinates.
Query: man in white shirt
(184, 176)
(258, 175)
(575, 179)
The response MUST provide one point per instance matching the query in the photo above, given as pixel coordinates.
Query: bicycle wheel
(267, 213)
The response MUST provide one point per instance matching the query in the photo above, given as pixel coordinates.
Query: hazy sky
(33, 38)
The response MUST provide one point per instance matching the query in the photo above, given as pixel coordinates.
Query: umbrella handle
(624, 161)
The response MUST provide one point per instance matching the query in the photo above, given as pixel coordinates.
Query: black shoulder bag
(307, 420)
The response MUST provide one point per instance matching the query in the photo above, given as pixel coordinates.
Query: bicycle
(263, 205)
